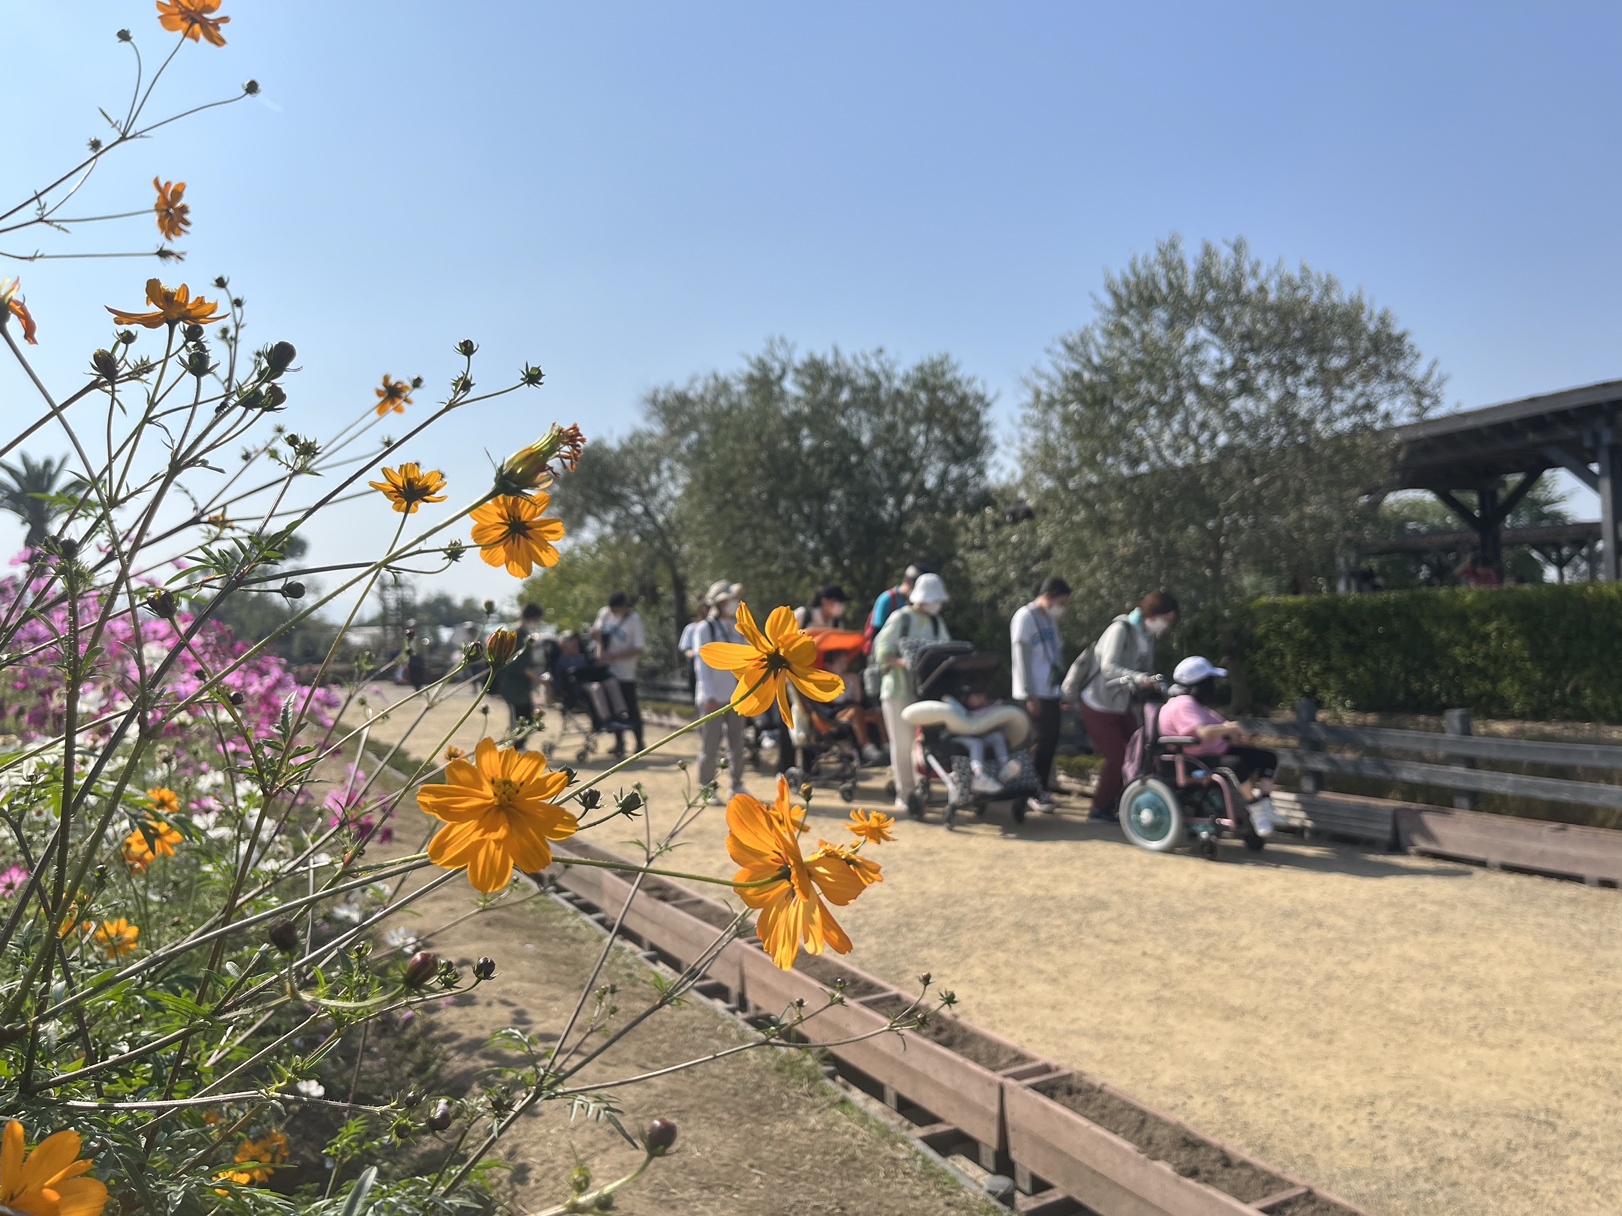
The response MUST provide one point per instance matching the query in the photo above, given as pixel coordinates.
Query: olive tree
(1216, 430)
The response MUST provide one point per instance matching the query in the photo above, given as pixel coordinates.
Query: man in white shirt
(1038, 654)
(714, 689)
(620, 642)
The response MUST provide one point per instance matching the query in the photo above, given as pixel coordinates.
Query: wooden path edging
(1000, 1114)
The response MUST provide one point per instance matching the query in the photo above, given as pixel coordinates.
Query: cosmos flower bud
(127, 337)
(591, 799)
(236, 698)
(422, 968)
(661, 1137)
(284, 936)
(293, 591)
(466, 347)
(106, 365)
(278, 359)
(630, 804)
(484, 969)
(532, 376)
(194, 333)
(251, 88)
(198, 363)
(489, 607)
(501, 647)
(162, 603)
(441, 1118)
(123, 35)
(530, 468)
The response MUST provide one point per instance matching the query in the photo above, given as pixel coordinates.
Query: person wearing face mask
(920, 621)
(1228, 744)
(714, 688)
(1125, 664)
(1038, 654)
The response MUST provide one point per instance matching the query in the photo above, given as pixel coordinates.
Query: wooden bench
(1459, 831)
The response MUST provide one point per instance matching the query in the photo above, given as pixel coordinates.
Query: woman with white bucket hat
(920, 621)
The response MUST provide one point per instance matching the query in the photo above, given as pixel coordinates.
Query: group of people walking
(1102, 684)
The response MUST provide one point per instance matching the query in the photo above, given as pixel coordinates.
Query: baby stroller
(942, 669)
(1172, 797)
(825, 747)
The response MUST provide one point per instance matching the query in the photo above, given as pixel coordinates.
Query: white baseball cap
(929, 589)
(1194, 669)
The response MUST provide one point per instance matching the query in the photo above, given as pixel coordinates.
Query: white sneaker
(902, 807)
(1262, 817)
(1010, 770)
(872, 755)
(985, 783)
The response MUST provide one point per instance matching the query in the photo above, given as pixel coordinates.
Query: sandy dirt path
(1420, 1036)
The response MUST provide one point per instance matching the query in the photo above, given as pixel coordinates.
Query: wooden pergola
(1501, 451)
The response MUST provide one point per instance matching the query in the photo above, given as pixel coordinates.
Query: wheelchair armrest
(1176, 741)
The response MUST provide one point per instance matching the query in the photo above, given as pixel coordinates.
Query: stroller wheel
(915, 804)
(1018, 807)
(1254, 842)
(847, 791)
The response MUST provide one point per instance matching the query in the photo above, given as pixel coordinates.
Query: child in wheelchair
(1220, 742)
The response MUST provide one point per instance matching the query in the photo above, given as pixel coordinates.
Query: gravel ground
(1420, 1036)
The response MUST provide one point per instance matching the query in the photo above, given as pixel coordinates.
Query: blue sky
(631, 194)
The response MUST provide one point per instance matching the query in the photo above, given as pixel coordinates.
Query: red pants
(1110, 734)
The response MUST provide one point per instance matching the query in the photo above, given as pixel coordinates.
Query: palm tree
(27, 492)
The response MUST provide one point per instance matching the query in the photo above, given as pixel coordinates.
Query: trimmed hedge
(1541, 652)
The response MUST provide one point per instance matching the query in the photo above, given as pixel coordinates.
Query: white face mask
(1157, 625)
(729, 610)
(1055, 611)
(933, 607)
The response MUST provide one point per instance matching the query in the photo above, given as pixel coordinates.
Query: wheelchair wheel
(847, 791)
(1151, 816)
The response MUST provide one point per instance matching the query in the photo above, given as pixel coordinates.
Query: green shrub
(1518, 652)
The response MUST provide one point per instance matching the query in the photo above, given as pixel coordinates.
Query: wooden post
(1457, 722)
(1610, 471)
(1306, 713)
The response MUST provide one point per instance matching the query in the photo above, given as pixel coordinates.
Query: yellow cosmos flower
(48, 1181)
(408, 487)
(164, 799)
(170, 308)
(394, 395)
(254, 1159)
(530, 468)
(192, 19)
(454, 753)
(764, 842)
(767, 662)
(174, 216)
(872, 826)
(498, 813)
(117, 938)
(138, 854)
(11, 304)
(511, 531)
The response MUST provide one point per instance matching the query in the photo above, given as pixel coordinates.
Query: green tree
(32, 491)
(808, 469)
(1215, 431)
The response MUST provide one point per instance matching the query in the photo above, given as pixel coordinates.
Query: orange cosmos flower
(139, 854)
(511, 531)
(408, 487)
(11, 305)
(498, 813)
(117, 938)
(191, 19)
(766, 664)
(172, 307)
(47, 1181)
(530, 468)
(394, 395)
(174, 216)
(764, 842)
(164, 799)
(872, 826)
(253, 1157)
